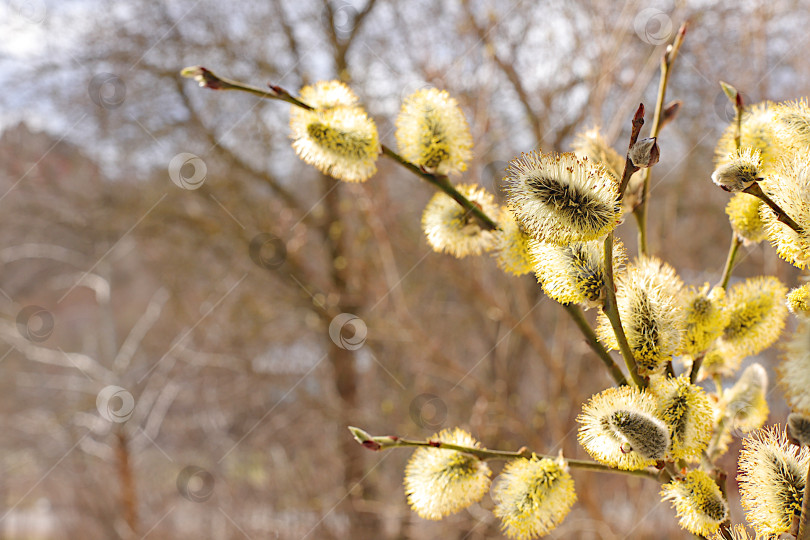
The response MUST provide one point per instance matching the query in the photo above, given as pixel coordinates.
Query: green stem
(484, 454)
(441, 182)
(590, 336)
(640, 212)
(756, 191)
(733, 249)
(611, 309)
(711, 451)
(209, 79)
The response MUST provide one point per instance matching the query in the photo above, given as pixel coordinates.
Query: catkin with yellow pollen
(698, 502)
(560, 198)
(650, 313)
(772, 475)
(574, 273)
(756, 131)
(789, 188)
(432, 132)
(794, 370)
(757, 314)
(450, 228)
(704, 318)
(533, 496)
(337, 138)
(619, 427)
(798, 300)
(743, 211)
(687, 411)
(440, 482)
(512, 246)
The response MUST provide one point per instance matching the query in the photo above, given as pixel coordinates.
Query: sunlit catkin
(791, 120)
(704, 318)
(533, 496)
(737, 532)
(574, 273)
(618, 427)
(449, 228)
(743, 211)
(794, 370)
(560, 198)
(745, 405)
(798, 429)
(698, 502)
(650, 313)
(772, 474)
(798, 300)
(756, 131)
(338, 138)
(512, 246)
(789, 188)
(686, 410)
(439, 482)
(432, 132)
(743, 168)
(757, 314)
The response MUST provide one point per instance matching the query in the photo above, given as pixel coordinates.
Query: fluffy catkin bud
(704, 318)
(644, 153)
(799, 429)
(772, 480)
(743, 169)
(560, 198)
(618, 427)
(432, 132)
(687, 411)
(791, 121)
(533, 496)
(574, 273)
(338, 138)
(512, 246)
(651, 315)
(794, 370)
(449, 228)
(757, 315)
(440, 482)
(698, 502)
(798, 300)
(744, 403)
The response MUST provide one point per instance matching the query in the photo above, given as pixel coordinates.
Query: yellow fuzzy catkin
(533, 496)
(618, 427)
(743, 211)
(687, 411)
(791, 121)
(432, 132)
(440, 482)
(574, 273)
(449, 228)
(559, 198)
(757, 314)
(698, 501)
(744, 404)
(789, 188)
(772, 474)
(794, 370)
(512, 246)
(798, 300)
(337, 138)
(704, 318)
(650, 313)
(756, 131)
(737, 532)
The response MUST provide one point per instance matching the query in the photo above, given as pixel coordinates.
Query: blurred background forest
(166, 367)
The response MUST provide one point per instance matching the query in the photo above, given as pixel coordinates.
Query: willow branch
(590, 336)
(757, 192)
(208, 79)
(640, 212)
(391, 441)
(733, 249)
